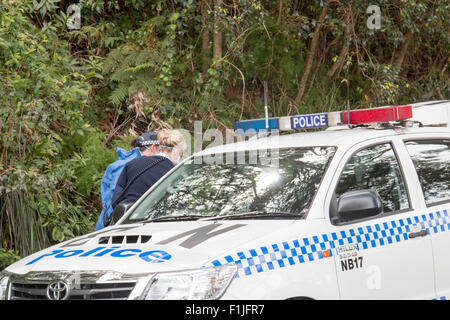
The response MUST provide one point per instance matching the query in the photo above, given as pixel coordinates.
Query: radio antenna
(348, 99)
(266, 107)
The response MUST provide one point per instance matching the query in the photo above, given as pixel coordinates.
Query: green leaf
(174, 17)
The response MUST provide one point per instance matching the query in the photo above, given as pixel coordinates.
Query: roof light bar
(433, 113)
(257, 125)
(308, 121)
(373, 115)
(322, 120)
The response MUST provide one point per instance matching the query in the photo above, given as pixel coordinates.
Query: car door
(386, 256)
(430, 156)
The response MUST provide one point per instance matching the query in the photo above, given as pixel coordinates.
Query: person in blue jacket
(145, 145)
(142, 173)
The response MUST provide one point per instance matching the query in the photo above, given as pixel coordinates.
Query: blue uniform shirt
(145, 180)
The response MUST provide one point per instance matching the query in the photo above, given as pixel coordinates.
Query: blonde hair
(168, 139)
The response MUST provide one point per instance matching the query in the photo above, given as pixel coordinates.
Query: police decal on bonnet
(197, 236)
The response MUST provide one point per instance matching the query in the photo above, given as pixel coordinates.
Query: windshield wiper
(175, 218)
(260, 215)
(245, 215)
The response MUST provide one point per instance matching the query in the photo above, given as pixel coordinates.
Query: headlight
(4, 278)
(199, 284)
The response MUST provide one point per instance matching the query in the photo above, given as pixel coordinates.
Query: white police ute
(360, 210)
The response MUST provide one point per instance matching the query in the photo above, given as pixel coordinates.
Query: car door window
(431, 159)
(376, 168)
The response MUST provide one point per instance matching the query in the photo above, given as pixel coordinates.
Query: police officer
(145, 145)
(141, 173)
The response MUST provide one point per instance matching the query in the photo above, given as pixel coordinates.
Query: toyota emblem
(57, 291)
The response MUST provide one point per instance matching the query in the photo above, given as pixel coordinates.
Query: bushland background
(69, 95)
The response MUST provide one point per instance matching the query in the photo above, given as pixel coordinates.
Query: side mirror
(117, 213)
(359, 204)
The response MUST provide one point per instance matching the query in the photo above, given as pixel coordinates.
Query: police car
(360, 210)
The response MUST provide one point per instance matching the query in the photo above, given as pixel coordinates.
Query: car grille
(84, 286)
(102, 291)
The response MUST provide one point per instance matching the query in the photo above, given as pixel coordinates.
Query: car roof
(338, 136)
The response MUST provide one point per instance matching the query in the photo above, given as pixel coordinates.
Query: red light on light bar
(385, 114)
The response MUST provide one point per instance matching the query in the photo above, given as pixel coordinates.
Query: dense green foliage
(7, 258)
(70, 96)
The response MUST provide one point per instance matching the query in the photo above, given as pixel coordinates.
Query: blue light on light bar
(308, 121)
(257, 125)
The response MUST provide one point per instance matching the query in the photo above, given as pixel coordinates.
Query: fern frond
(119, 95)
(113, 60)
(140, 67)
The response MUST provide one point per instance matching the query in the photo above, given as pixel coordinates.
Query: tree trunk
(205, 35)
(312, 54)
(337, 65)
(313, 77)
(217, 37)
(280, 11)
(401, 56)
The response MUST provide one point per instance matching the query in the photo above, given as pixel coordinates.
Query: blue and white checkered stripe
(276, 256)
(298, 251)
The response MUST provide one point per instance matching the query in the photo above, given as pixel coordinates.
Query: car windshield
(199, 188)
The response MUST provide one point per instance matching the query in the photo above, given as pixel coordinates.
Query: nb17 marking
(350, 264)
